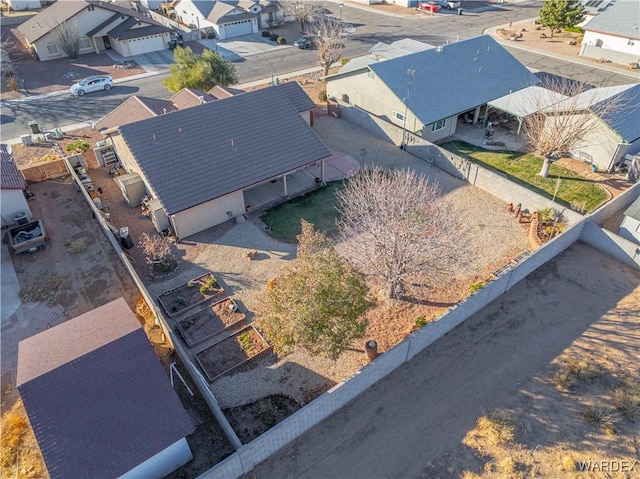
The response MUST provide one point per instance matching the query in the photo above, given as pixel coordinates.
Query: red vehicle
(428, 7)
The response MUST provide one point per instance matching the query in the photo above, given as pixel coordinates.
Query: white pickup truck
(448, 4)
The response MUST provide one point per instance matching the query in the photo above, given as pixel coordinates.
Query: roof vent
(201, 98)
(439, 48)
(154, 137)
(164, 111)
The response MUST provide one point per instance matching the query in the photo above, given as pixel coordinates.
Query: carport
(525, 102)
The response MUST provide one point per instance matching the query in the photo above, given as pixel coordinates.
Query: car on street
(91, 84)
(428, 7)
(448, 4)
(305, 43)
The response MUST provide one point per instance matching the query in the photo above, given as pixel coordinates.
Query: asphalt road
(370, 27)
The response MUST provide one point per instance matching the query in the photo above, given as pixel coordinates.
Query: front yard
(568, 187)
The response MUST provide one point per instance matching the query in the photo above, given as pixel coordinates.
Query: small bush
(602, 416)
(266, 34)
(497, 426)
(78, 146)
(322, 95)
(626, 399)
(282, 41)
(420, 322)
(344, 61)
(273, 37)
(575, 370)
(567, 464)
(476, 286)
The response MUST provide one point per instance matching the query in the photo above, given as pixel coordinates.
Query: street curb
(558, 56)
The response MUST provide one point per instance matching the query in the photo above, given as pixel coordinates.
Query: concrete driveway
(237, 48)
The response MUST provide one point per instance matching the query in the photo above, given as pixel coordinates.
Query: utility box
(158, 216)
(26, 140)
(132, 188)
(35, 128)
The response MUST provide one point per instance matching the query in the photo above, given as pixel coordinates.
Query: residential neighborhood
(315, 238)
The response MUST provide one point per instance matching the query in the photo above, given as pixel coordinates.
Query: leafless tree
(328, 40)
(304, 11)
(158, 253)
(8, 57)
(556, 130)
(390, 223)
(68, 37)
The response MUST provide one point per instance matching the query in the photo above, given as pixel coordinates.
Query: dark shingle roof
(135, 108)
(475, 71)
(219, 92)
(297, 96)
(195, 155)
(97, 397)
(124, 31)
(10, 176)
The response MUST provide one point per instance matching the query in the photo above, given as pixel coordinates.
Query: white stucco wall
(365, 90)
(630, 229)
(163, 463)
(611, 42)
(12, 202)
(24, 4)
(203, 216)
(188, 13)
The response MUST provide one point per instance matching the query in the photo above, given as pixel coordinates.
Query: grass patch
(317, 207)
(497, 426)
(523, 169)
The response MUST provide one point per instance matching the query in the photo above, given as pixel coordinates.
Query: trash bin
(459, 11)
(125, 239)
(35, 128)
(26, 140)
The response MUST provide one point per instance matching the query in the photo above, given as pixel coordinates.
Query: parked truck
(28, 237)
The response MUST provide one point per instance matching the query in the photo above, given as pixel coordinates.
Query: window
(52, 49)
(84, 43)
(438, 125)
(398, 116)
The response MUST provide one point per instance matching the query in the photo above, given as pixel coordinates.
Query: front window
(85, 43)
(438, 125)
(52, 49)
(398, 116)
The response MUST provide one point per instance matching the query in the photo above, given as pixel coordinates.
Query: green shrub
(497, 427)
(78, 146)
(282, 41)
(322, 95)
(476, 286)
(344, 61)
(273, 37)
(420, 322)
(266, 33)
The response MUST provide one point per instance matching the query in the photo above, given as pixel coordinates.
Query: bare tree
(8, 57)
(304, 11)
(327, 35)
(556, 130)
(68, 37)
(158, 253)
(389, 225)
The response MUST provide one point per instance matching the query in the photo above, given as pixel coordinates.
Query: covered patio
(504, 136)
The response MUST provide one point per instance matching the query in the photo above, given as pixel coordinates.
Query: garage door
(138, 46)
(235, 29)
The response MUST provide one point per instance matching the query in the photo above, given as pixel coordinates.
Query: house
(630, 227)
(225, 19)
(13, 202)
(99, 401)
(101, 26)
(614, 33)
(616, 134)
(427, 91)
(197, 163)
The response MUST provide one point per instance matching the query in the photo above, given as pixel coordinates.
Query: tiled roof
(223, 13)
(476, 71)
(621, 18)
(188, 97)
(624, 117)
(125, 30)
(207, 151)
(220, 92)
(135, 108)
(10, 176)
(97, 397)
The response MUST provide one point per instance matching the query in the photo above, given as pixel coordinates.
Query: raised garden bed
(196, 291)
(204, 324)
(230, 353)
(253, 419)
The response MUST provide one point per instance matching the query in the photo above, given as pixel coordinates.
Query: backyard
(567, 187)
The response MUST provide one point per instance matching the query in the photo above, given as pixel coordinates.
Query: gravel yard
(479, 217)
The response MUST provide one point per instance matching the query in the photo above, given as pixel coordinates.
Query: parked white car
(91, 84)
(448, 4)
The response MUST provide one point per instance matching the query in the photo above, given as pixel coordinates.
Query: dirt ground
(420, 421)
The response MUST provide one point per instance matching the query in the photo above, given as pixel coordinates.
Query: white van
(448, 4)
